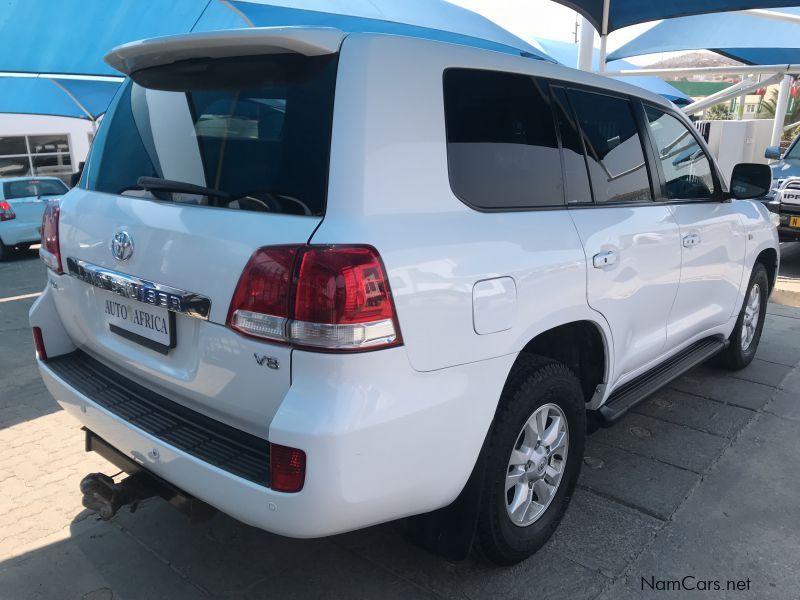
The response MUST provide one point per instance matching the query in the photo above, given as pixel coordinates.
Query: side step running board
(633, 392)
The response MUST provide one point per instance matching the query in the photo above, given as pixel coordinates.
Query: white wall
(733, 142)
(78, 130)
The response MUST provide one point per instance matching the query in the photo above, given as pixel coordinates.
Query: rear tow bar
(106, 497)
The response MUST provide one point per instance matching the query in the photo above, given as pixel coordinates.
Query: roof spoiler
(309, 41)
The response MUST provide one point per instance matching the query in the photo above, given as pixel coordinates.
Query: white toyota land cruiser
(321, 280)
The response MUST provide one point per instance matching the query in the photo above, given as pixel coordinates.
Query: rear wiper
(156, 184)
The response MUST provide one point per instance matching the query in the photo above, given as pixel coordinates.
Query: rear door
(252, 134)
(632, 244)
(712, 233)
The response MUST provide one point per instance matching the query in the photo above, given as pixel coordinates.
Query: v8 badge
(269, 361)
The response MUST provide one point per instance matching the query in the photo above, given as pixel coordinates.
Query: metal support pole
(742, 99)
(604, 36)
(77, 103)
(602, 65)
(684, 72)
(780, 110)
(585, 45)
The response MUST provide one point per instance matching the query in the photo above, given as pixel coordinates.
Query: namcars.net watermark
(692, 583)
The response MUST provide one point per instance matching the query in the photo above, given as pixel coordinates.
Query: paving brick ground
(699, 480)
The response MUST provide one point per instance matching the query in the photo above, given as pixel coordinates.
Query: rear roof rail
(308, 41)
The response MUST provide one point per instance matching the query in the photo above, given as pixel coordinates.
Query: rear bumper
(18, 232)
(382, 441)
(786, 233)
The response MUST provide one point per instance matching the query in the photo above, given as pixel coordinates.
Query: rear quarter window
(255, 129)
(502, 149)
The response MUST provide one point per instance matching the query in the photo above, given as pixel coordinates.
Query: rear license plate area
(146, 325)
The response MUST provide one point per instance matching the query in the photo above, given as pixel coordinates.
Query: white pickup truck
(321, 280)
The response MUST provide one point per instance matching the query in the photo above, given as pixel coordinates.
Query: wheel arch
(769, 258)
(583, 346)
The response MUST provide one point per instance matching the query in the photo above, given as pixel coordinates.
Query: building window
(27, 155)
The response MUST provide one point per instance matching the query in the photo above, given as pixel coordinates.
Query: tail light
(6, 212)
(50, 250)
(334, 298)
(38, 342)
(287, 468)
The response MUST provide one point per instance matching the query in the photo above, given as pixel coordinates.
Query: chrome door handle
(691, 239)
(605, 259)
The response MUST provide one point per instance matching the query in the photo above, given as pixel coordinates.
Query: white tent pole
(780, 110)
(736, 69)
(741, 101)
(62, 76)
(743, 87)
(604, 35)
(773, 14)
(237, 12)
(77, 103)
(585, 45)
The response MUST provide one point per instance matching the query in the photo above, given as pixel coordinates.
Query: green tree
(718, 112)
(767, 109)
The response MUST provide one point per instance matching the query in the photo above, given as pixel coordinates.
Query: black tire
(533, 383)
(5, 251)
(735, 356)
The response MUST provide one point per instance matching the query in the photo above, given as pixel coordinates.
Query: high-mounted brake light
(6, 212)
(50, 251)
(334, 298)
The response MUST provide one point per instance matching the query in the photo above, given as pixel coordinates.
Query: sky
(549, 20)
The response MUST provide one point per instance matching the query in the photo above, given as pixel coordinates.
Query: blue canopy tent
(764, 39)
(81, 99)
(749, 39)
(418, 18)
(38, 64)
(609, 15)
(622, 13)
(566, 53)
(84, 30)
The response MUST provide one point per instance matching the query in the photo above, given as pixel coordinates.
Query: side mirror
(750, 180)
(772, 153)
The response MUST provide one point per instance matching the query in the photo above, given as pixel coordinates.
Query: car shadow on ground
(18, 255)
(156, 553)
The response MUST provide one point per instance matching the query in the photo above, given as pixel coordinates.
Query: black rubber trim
(633, 392)
(216, 443)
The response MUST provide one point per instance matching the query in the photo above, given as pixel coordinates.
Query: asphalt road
(698, 484)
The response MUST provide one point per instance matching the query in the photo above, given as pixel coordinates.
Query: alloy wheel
(752, 313)
(536, 465)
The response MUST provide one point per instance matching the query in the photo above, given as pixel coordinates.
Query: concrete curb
(786, 292)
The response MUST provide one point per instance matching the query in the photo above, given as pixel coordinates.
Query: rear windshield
(252, 132)
(27, 188)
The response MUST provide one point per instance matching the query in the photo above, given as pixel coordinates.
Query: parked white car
(321, 280)
(22, 203)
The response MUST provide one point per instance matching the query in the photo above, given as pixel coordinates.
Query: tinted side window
(613, 147)
(687, 169)
(502, 148)
(576, 178)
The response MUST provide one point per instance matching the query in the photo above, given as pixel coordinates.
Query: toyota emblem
(122, 245)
